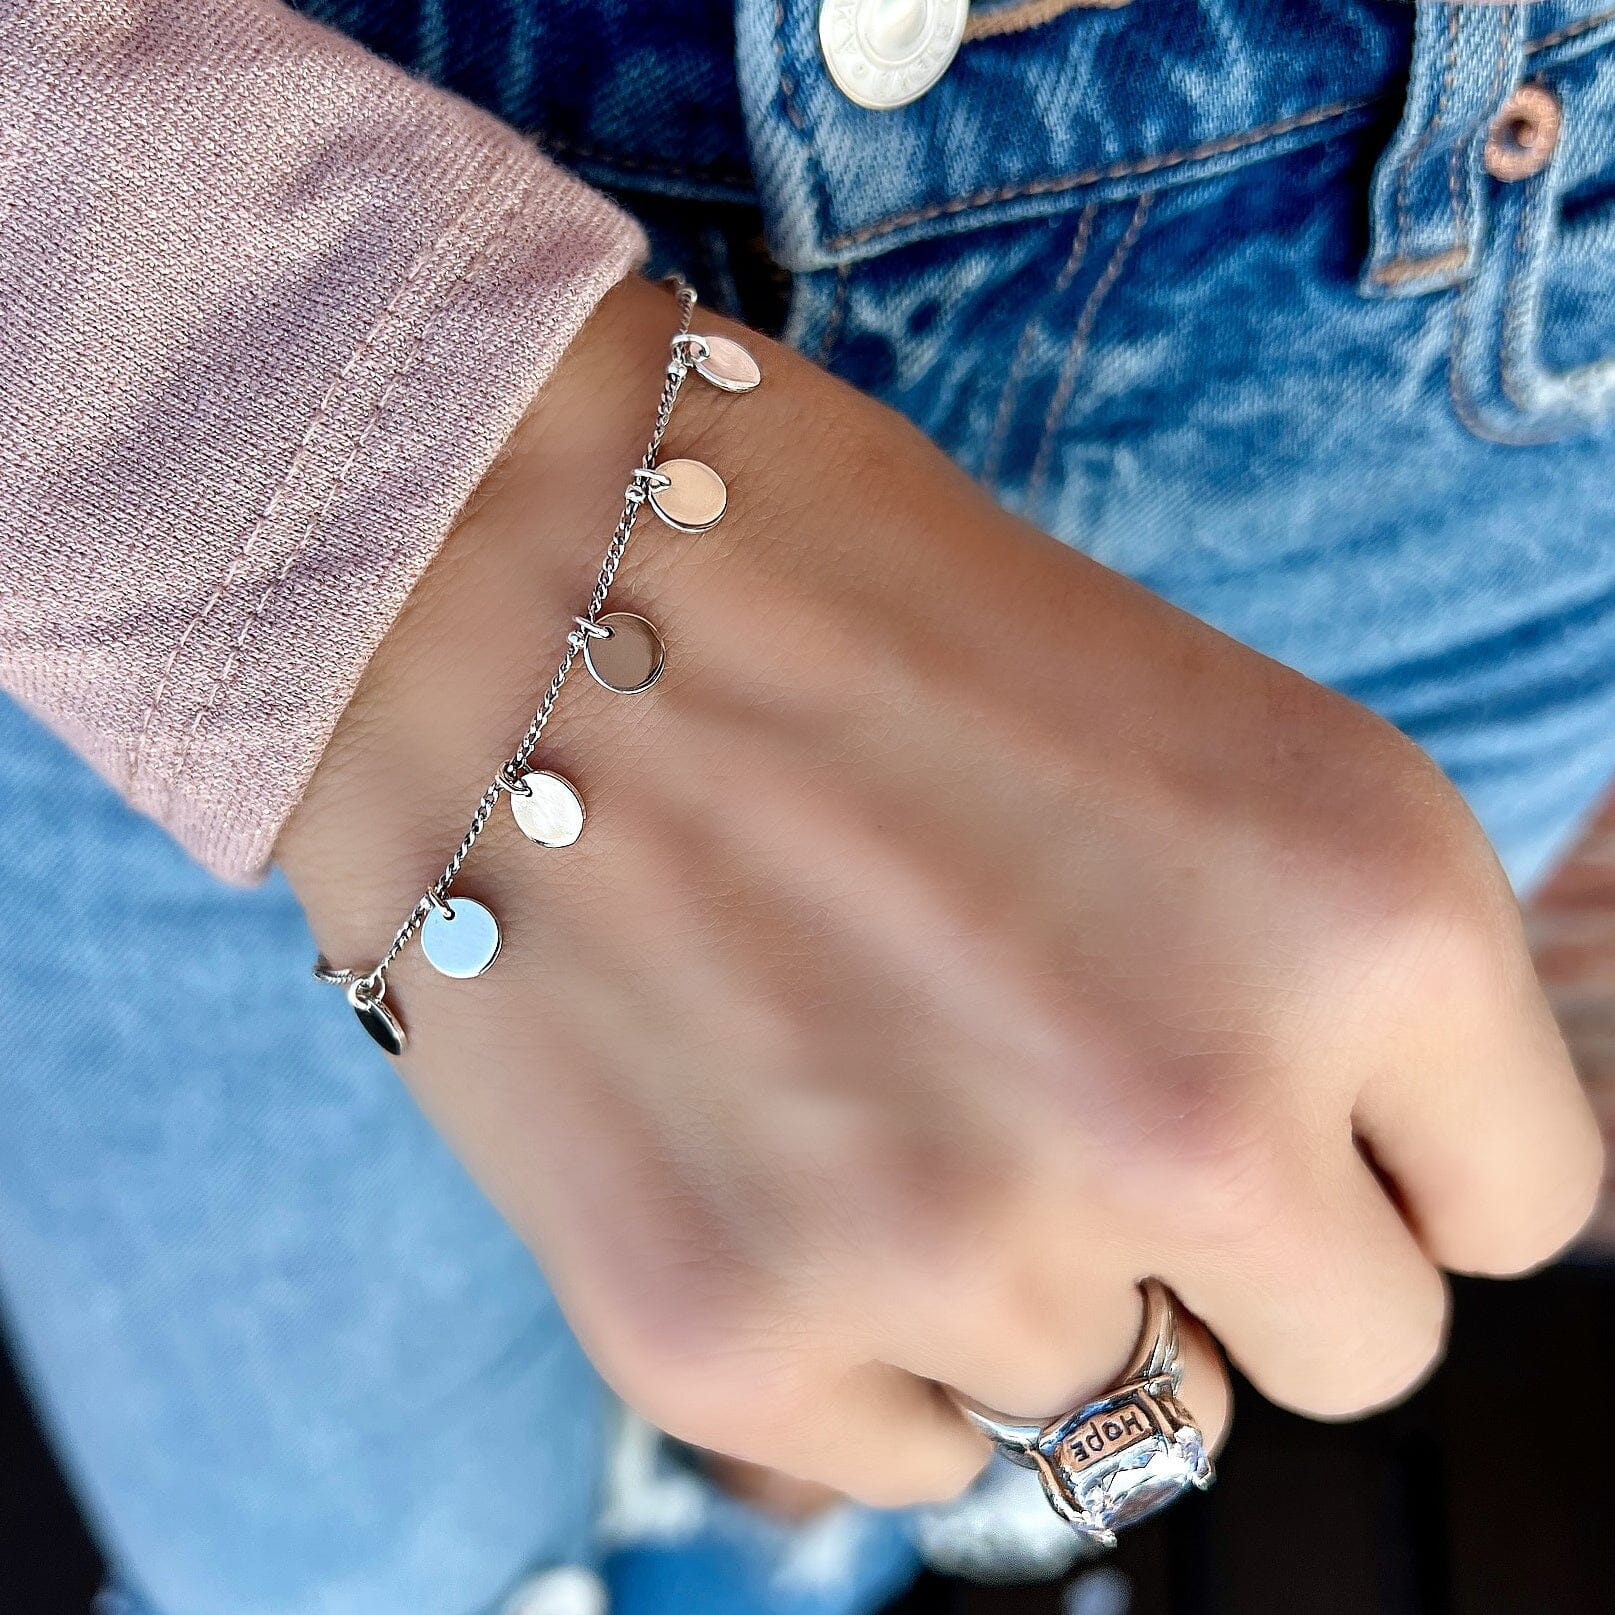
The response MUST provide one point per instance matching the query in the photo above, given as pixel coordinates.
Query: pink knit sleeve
(268, 310)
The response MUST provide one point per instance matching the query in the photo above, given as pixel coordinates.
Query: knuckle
(1439, 917)
(1402, 873)
(1194, 1142)
(1216, 1174)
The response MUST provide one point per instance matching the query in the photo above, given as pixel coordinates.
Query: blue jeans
(1222, 291)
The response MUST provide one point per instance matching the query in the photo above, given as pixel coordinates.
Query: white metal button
(886, 53)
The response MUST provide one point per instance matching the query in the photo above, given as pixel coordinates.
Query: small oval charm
(462, 941)
(629, 657)
(379, 1021)
(692, 499)
(551, 813)
(728, 366)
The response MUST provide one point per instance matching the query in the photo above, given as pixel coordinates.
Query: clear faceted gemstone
(1138, 1481)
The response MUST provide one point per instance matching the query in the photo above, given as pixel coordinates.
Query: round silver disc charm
(377, 1019)
(728, 366)
(551, 813)
(694, 497)
(463, 945)
(631, 656)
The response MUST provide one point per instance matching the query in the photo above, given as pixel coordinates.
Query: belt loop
(1429, 194)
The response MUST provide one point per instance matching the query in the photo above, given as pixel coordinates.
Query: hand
(960, 933)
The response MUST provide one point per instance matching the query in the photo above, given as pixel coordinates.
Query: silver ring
(1120, 1457)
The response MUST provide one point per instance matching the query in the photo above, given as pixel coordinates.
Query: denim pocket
(1533, 339)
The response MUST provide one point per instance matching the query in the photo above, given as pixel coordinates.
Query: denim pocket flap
(1092, 103)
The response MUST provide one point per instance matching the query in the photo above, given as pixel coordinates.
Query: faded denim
(1221, 292)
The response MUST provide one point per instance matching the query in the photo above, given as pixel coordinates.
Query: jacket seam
(1004, 414)
(381, 325)
(494, 234)
(1081, 340)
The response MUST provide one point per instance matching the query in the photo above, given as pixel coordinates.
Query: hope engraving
(1102, 1435)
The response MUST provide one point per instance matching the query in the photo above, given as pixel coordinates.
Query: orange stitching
(1512, 341)
(817, 178)
(428, 252)
(1464, 406)
(1021, 15)
(1426, 135)
(1117, 170)
(1148, 165)
(1572, 30)
(1079, 343)
(494, 235)
(1454, 200)
(1500, 74)
(1508, 343)
(1399, 271)
(838, 312)
(787, 86)
(1023, 348)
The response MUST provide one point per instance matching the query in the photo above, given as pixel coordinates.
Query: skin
(959, 934)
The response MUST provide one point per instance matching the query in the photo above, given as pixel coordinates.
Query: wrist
(457, 677)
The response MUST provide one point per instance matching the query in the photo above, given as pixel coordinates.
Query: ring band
(1120, 1457)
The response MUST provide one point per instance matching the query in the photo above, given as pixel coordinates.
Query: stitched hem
(160, 790)
(494, 234)
(504, 290)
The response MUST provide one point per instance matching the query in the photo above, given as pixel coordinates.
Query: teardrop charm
(692, 497)
(550, 811)
(628, 657)
(728, 366)
(460, 938)
(379, 1021)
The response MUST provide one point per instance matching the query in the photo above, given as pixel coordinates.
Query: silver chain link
(687, 351)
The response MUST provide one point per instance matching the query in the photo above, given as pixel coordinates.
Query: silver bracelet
(622, 651)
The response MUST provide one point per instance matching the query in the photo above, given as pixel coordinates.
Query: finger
(865, 1429)
(1493, 1150)
(1325, 1300)
(875, 1433)
(1050, 1359)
